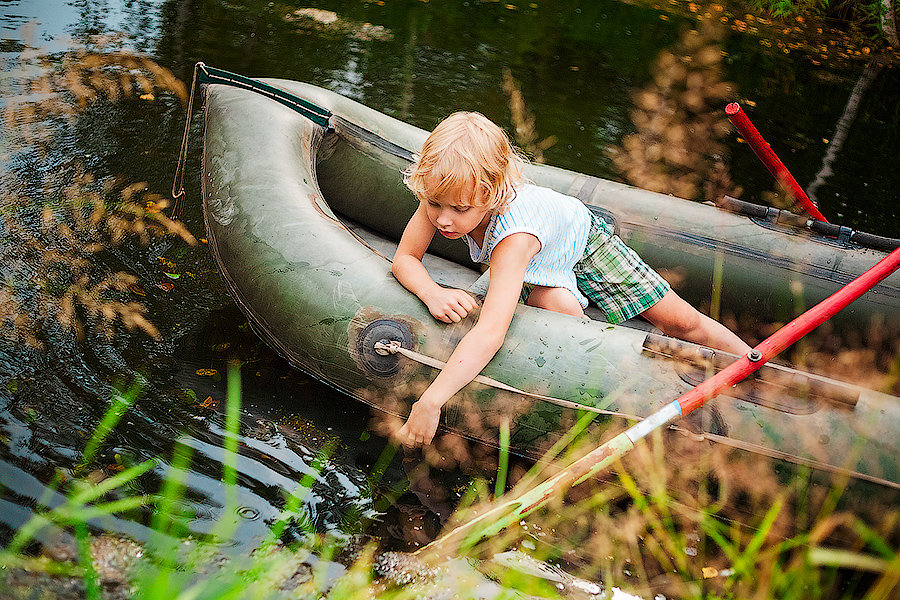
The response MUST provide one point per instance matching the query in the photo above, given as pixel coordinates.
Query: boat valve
(378, 344)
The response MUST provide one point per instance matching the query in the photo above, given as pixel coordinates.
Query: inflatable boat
(304, 203)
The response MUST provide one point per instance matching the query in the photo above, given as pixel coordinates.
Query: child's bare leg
(557, 299)
(677, 318)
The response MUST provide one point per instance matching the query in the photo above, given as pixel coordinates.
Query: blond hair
(467, 150)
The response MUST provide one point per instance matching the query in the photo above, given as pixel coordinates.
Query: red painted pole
(789, 334)
(761, 148)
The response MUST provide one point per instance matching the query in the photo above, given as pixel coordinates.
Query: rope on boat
(178, 180)
(394, 347)
(204, 74)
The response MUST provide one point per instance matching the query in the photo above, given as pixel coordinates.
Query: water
(576, 64)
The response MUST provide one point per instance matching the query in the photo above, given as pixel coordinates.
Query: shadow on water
(102, 290)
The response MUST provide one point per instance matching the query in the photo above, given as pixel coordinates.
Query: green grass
(677, 518)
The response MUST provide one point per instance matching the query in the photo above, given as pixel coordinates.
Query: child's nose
(444, 218)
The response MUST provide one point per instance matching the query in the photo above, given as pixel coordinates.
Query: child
(469, 187)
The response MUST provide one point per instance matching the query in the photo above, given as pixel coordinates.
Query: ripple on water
(247, 512)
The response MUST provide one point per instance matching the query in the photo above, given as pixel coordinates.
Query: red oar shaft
(790, 333)
(513, 509)
(761, 148)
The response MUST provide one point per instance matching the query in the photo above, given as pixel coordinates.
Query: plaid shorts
(614, 277)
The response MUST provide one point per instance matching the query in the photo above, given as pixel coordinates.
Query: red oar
(511, 511)
(739, 119)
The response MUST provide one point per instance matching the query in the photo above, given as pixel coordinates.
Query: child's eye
(461, 209)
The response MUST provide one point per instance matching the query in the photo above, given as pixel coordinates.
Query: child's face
(455, 215)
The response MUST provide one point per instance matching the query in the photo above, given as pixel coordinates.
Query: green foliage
(868, 14)
(784, 8)
(667, 512)
(171, 563)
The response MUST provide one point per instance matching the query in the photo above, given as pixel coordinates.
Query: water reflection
(680, 125)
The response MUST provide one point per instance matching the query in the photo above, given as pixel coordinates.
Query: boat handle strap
(313, 112)
(205, 74)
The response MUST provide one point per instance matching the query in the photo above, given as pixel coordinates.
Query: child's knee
(556, 299)
(675, 316)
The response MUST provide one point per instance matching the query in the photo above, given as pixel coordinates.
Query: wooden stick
(514, 509)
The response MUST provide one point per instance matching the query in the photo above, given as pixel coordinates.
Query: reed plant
(677, 517)
(63, 241)
(685, 519)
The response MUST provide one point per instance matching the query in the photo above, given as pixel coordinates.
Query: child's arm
(509, 260)
(445, 304)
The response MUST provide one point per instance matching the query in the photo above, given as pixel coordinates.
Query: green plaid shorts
(614, 277)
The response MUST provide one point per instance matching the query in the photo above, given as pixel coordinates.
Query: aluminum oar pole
(514, 509)
(764, 151)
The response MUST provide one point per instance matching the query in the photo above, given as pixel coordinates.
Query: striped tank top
(559, 222)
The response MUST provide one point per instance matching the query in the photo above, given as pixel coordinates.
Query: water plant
(60, 242)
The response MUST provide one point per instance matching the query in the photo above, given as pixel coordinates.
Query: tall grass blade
(294, 500)
(120, 405)
(846, 559)
(85, 558)
(226, 526)
(90, 492)
(503, 459)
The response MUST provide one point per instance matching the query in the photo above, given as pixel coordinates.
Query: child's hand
(450, 305)
(421, 424)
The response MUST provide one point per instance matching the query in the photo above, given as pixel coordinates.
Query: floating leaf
(209, 403)
(171, 275)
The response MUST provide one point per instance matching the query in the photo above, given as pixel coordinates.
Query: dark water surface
(576, 63)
